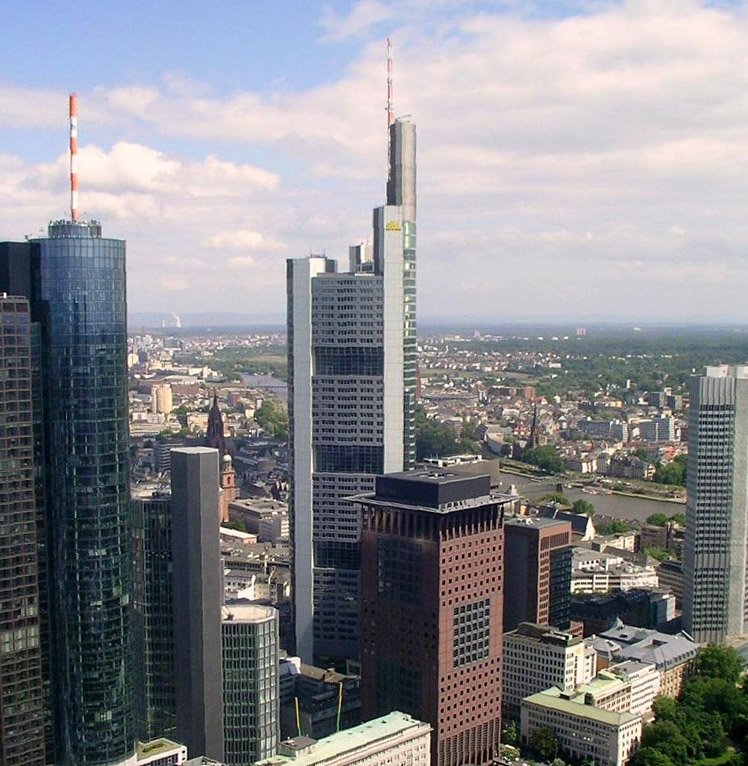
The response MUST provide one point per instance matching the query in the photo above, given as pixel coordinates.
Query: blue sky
(581, 160)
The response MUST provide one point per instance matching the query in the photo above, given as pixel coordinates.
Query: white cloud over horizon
(592, 165)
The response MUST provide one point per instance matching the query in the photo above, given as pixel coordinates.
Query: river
(275, 386)
(619, 506)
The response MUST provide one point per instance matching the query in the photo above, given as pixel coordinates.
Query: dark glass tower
(21, 688)
(153, 616)
(79, 291)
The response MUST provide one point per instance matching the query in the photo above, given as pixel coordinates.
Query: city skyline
(585, 159)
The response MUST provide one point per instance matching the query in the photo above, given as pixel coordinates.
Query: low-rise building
(160, 752)
(392, 739)
(672, 655)
(600, 572)
(582, 730)
(539, 656)
(644, 680)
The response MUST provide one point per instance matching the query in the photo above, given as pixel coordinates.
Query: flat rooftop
(552, 699)
(348, 741)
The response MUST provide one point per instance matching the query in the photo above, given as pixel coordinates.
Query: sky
(577, 159)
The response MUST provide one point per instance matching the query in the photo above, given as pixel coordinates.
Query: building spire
(73, 110)
(390, 105)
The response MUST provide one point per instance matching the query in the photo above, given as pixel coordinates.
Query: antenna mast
(390, 107)
(73, 157)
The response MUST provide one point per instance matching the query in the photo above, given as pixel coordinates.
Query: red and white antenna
(73, 157)
(390, 106)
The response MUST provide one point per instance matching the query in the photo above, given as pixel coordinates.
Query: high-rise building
(251, 706)
(432, 571)
(153, 617)
(537, 553)
(198, 596)
(22, 699)
(715, 561)
(78, 296)
(161, 398)
(352, 363)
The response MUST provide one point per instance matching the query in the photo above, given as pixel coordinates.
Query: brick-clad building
(432, 551)
(538, 558)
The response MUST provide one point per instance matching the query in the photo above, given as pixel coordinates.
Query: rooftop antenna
(73, 157)
(390, 107)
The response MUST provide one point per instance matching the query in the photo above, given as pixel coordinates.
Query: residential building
(352, 374)
(432, 572)
(250, 682)
(153, 617)
(660, 428)
(539, 656)
(161, 398)
(715, 560)
(582, 730)
(537, 550)
(395, 738)
(197, 599)
(22, 693)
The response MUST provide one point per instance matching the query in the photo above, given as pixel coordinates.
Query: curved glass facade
(81, 295)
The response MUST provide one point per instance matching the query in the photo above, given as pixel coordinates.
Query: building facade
(715, 603)
(392, 739)
(153, 617)
(251, 722)
(197, 599)
(432, 574)
(582, 730)
(78, 293)
(537, 657)
(352, 375)
(538, 550)
(22, 694)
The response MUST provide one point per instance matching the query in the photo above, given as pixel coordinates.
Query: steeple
(214, 436)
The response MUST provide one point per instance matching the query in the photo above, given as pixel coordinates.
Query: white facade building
(582, 730)
(644, 679)
(388, 741)
(715, 561)
(352, 376)
(536, 657)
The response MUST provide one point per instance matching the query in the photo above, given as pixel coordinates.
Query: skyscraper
(153, 616)
(715, 602)
(79, 290)
(22, 703)
(250, 683)
(352, 363)
(538, 556)
(432, 571)
(198, 596)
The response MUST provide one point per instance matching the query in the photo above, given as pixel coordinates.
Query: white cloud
(362, 17)
(600, 155)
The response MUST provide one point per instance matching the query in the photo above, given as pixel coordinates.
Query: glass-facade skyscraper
(75, 279)
(22, 700)
(352, 378)
(81, 293)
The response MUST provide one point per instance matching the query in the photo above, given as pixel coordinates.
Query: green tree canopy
(666, 737)
(650, 756)
(555, 497)
(545, 457)
(543, 742)
(657, 520)
(272, 417)
(583, 507)
(716, 661)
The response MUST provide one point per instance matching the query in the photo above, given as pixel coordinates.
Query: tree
(661, 554)
(544, 457)
(555, 497)
(583, 507)
(666, 737)
(615, 527)
(716, 661)
(650, 756)
(671, 473)
(510, 733)
(543, 742)
(272, 417)
(679, 519)
(657, 520)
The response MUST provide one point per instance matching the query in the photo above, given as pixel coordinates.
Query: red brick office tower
(432, 576)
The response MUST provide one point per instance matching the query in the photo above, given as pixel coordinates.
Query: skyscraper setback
(352, 377)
